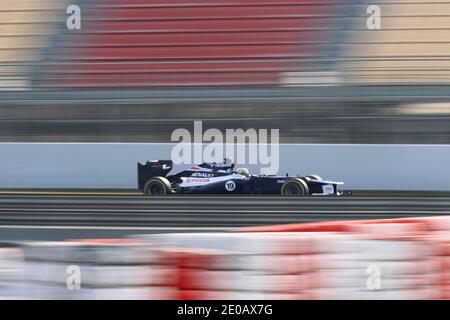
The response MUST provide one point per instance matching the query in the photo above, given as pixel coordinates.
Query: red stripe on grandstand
(201, 33)
(180, 40)
(232, 25)
(167, 3)
(186, 53)
(176, 68)
(119, 14)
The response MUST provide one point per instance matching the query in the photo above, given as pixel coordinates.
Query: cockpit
(243, 171)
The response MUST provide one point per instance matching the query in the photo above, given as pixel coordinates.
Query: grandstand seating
(137, 43)
(25, 29)
(412, 46)
(133, 44)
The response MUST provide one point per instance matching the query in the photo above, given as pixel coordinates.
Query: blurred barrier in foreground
(373, 259)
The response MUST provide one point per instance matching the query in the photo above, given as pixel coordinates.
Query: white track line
(116, 228)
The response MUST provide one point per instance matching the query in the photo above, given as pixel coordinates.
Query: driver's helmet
(243, 171)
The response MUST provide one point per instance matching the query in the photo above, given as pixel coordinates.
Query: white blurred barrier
(11, 264)
(379, 259)
(85, 269)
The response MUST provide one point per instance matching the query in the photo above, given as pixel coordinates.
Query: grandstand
(180, 43)
(141, 44)
(412, 46)
(310, 67)
(26, 29)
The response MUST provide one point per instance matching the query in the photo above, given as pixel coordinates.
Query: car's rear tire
(294, 188)
(314, 177)
(158, 186)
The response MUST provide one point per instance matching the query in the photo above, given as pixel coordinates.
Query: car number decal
(230, 185)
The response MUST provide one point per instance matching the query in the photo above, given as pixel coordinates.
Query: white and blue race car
(221, 178)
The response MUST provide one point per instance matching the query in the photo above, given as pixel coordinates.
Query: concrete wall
(103, 165)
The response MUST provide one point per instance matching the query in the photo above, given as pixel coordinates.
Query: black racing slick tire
(294, 188)
(314, 177)
(158, 186)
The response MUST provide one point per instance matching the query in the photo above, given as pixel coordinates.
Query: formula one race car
(221, 178)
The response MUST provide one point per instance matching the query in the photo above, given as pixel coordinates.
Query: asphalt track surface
(67, 216)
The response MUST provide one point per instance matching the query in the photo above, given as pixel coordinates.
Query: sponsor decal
(202, 174)
(197, 180)
(328, 189)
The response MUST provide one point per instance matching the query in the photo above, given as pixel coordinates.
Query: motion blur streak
(139, 69)
(135, 44)
(370, 259)
(198, 211)
(311, 68)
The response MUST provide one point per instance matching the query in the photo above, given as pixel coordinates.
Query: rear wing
(155, 168)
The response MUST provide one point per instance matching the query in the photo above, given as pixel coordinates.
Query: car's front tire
(294, 188)
(158, 186)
